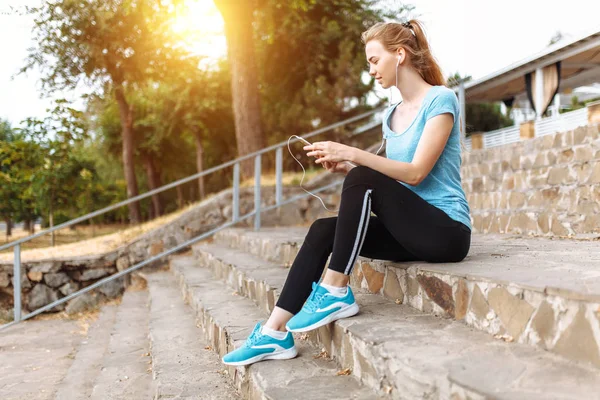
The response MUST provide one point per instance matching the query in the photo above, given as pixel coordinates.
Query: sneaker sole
(282, 355)
(339, 314)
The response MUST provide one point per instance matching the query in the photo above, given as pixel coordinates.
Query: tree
(57, 180)
(309, 59)
(238, 18)
(119, 44)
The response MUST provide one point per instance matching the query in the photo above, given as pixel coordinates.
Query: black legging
(405, 228)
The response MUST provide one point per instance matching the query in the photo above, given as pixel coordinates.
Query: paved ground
(36, 355)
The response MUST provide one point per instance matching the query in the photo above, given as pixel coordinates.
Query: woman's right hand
(337, 167)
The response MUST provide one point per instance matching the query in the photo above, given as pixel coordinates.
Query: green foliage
(310, 60)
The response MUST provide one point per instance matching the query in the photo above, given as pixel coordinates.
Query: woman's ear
(399, 56)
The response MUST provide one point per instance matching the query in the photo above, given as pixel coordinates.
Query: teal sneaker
(260, 347)
(321, 308)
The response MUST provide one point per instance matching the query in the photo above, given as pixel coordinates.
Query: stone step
(182, 366)
(227, 320)
(398, 350)
(540, 292)
(79, 380)
(36, 355)
(125, 371)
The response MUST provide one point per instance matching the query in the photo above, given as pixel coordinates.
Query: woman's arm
(430, 147)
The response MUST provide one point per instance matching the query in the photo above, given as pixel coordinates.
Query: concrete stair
(396, 350)
(227, 319)
(147, 347)
(183, 367)
(540, 292)
(424, 331)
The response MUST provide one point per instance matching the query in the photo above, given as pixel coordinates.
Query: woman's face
(382, 63)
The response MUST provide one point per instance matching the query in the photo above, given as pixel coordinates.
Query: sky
(472, 37)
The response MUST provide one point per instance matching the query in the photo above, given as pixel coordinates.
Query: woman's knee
(360, 175)
(323, 229)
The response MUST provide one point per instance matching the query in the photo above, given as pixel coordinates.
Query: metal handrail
(188, 179)
(235, 213)
(166, 253)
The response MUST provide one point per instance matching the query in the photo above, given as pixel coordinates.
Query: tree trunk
(199, 165)
(179, 197)
(153, 183)
(126, 114)
(8, 222)
(237, 16)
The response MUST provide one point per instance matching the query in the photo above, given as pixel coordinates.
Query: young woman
(415, 192)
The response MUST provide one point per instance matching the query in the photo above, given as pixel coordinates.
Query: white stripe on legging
(360, 235)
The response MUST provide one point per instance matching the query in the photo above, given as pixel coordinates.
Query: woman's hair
(410, 36)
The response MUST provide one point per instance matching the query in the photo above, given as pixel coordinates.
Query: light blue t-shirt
(442, 186)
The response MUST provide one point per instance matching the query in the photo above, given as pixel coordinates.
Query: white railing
(561, 122)
(501, 137)
(468, 142)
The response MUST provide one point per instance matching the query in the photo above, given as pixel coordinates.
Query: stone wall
(547, 186)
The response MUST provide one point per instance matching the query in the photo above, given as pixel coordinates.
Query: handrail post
(257, 192)
(236, 193)
(17, 283)
(278, 175)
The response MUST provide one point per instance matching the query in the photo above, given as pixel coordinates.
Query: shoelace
(314, 299)
(254, 338)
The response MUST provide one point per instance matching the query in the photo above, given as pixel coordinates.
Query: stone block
(438, 291)
(558, 228)
(580, 135)
(57, 279)
(479, 305)
(35, 276)
(392, 288)
(583, 154)
(513, 312)
(558, 176)
(156, 248)
(122, 263)
(508, 183)
(595, 174)
(412, 287)
(543, 221)
(461, 299)
(540, 160)
(40, 296)
(374, 278)
(69, 288)
(544, 323)
(89, 274)
(581, 172)
(516, 200)
(566, 155)
(4, 279)
(113, 288)
(577, 342)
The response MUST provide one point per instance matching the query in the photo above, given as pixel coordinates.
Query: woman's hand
(339, 167)
(332, 152)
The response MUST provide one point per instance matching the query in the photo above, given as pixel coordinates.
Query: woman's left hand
(329, 151)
